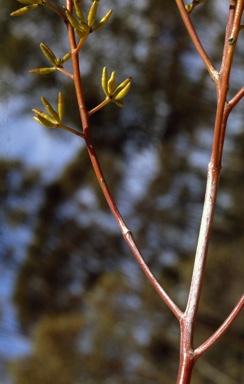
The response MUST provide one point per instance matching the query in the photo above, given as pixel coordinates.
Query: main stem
(187, 323)
(84, 115)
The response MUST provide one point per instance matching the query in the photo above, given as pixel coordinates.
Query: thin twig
(221, 330)
(195, 39)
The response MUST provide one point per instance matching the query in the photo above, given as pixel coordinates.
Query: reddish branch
(188, 355)
(99, 174)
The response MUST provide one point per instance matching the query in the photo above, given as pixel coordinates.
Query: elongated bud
(48, 53)
(73, 21)
(24, 10)
(104, 81)
(30, 2)
(122, 89)
(44, 116)
(54, 115)
(42, 71)
(66, 57)
(60, 106)
(103, 21)
(111, 83)
(41, 120)
(123, 92)
(92, 13)
(78, 11)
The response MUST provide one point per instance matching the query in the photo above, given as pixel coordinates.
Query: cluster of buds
(51, 119)
(112, 92)
(83, 27)
(56, 62)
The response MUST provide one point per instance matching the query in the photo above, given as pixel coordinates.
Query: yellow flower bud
(73, 21)
(105, 81)
(48, 53)
(66, 57)
(122, 90)
(78, 11)
(53, 114)
(92, 13)
(111, 83)
(103, 21)
(42, 71)
(44, 116)
(23, 10)
(60, 106)
(41, 120)
(30, 2)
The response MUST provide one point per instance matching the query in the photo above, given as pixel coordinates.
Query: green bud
(42, 71)
(66, 57)
(23, 10)
(122, 90)
(73, 21)
(60, 106)
(41, 120)
(92, 13)
(78, 11)
(111, 83)
(103, 21)
(30, 2)
(44, 116)
(104, 81)
(48, 53)
(53, 114)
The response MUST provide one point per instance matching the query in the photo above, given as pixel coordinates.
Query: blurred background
(74, 305)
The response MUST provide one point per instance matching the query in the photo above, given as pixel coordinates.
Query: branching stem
(187, 354)
(100, 177)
